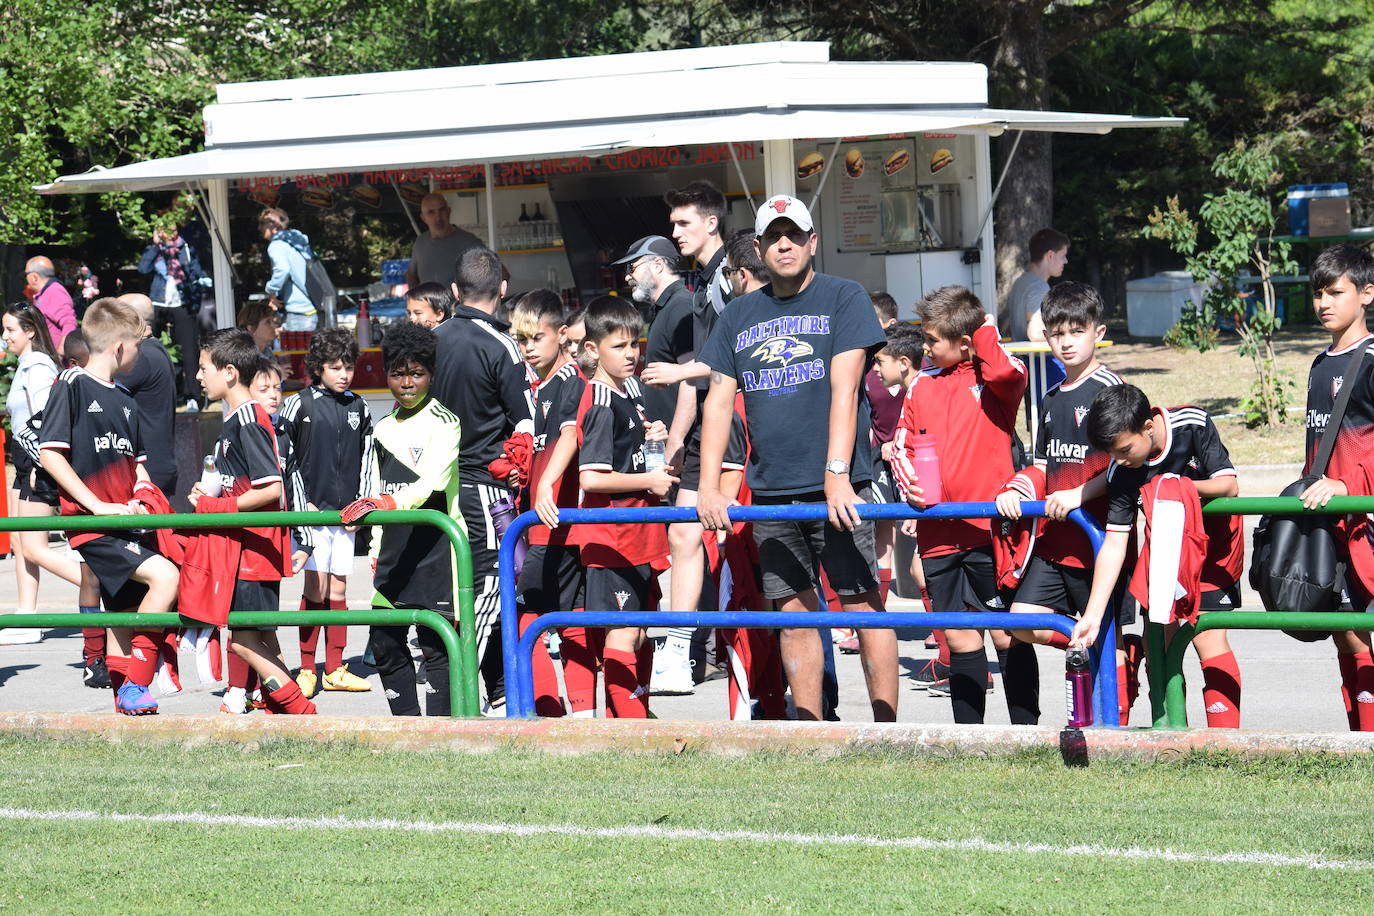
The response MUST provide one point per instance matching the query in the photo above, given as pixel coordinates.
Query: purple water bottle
(503, 511)
(1078, 688)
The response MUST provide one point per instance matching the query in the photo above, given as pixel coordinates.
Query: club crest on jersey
(1079, 413)
(546, 405)
(977, 392)
(95, 408)
(621, 598)
(783, 350)
(353, 421)
(1336, 385)
(415, 453)
(128, 414)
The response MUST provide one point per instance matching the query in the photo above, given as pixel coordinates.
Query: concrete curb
(561, 736)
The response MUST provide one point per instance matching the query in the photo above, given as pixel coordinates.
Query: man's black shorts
(623, 589)
(256, 596)
(790, 552)
(114, 558)
(963, 581)
(1065, 590)
(884, 486)
(552, 579)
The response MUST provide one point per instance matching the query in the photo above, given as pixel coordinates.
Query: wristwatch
(837, 466)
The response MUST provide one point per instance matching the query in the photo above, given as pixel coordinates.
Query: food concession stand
(893, 157)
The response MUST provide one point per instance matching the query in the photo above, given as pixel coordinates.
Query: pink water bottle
(1078, 688)
(927, 467)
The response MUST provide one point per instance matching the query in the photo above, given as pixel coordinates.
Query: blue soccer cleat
(135, 700)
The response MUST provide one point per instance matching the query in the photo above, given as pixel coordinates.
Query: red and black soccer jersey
(1068, 460)
(610, 437)
(556, 401)
(246, 456)
(96, 424)
(1192, 448)
(332, 434)
(1354, 448)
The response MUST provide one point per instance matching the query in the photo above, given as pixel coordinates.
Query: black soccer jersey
(96, 424)
(293, 485)
(246, 456)
(481, 377)
(332, 434)
(1192, 448)
(1355, 439)
(1069, 461)
(611, 438)
(555, 408)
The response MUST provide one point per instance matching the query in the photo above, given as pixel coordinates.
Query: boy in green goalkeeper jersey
(415, 466)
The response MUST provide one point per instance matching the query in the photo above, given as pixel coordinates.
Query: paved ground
(1288, 685)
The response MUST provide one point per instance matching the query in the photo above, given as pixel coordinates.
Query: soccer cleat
(20, 636)
(343, 679)
(929, 673)
(940, 688)
(255, 701)
(672, 676)
(495, 710)
(97, 675)
(230, 710)
(135, 700)
(308, 682)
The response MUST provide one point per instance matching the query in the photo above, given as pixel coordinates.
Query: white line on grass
(687, 833)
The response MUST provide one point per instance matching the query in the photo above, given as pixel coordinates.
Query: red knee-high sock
(143, 658)
(335, 639)
(546, 701)
(943, 644)
(213, 647)
(925, 600)
(118, 666)
(580, 661)
(289, 699)
(171, 645)
(1345, 661)
(238, 670)
(92, 643)
(884, 584)
(310, 639)
(1058, 641)
(1364, 691)
(624, 697)
(1221, 690)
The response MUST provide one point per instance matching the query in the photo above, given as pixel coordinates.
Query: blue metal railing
(518, 650)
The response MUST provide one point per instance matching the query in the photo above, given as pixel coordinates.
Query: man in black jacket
(481, 377)
(152, 382)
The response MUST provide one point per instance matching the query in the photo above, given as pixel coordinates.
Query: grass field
(1217, 380)
(518, 832)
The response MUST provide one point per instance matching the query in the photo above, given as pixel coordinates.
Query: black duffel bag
(1297, 562)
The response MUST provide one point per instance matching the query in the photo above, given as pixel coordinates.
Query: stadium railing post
(518, 649)
(461, 645)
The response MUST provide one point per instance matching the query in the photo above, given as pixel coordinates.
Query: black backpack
(1298, 562)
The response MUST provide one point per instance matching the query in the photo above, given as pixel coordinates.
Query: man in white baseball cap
(797, 349)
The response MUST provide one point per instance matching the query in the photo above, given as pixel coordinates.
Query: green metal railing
(1167, 699)
(461, 646)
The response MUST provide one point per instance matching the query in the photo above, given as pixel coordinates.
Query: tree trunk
(1019, 80)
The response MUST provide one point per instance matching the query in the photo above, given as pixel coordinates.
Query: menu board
(874, 188)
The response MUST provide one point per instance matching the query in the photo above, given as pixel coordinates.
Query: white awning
(585, 139)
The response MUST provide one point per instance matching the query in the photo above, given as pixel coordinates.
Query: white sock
(236, 699)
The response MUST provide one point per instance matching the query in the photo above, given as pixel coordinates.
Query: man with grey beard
(651, 272)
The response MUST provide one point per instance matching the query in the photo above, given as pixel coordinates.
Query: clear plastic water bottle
(1078, 688)
(655, 456)
(209, 477)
